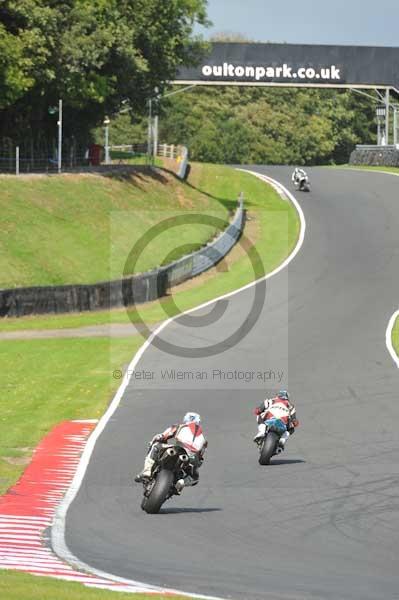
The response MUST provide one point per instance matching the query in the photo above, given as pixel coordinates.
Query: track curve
(322, 521)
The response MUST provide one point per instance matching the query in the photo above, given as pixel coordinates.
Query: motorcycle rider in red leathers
(190, 435)
(281, 408)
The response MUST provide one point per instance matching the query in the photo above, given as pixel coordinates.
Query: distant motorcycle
(172, 464)
(268, 444)
(301, 180)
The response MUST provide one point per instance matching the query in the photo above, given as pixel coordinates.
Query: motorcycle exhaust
(171, 452)
(184, 458)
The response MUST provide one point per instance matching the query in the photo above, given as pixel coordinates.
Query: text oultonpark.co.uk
(331, 73)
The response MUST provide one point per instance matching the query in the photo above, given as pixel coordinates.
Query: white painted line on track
(367, 171)
(58, 529)
(388, 338)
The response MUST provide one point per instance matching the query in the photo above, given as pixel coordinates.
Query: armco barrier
(18, 302)
(183, 164)
(175, 158)
(196, 263)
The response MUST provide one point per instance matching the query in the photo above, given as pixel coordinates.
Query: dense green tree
(260, 125)
(93, 55)
(268, 125)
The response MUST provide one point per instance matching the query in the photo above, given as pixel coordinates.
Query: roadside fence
(175, 157)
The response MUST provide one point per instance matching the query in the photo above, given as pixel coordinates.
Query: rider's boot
(147, 470)
(261, 432)
(188, 481)
(179, 485)
(282, 441)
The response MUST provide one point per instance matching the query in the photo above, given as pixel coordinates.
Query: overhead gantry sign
(296, 65)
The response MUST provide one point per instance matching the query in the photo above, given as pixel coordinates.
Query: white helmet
(192, 417)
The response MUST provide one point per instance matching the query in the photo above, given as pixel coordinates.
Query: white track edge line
(58, 528)
(366, 170)
(388, 338)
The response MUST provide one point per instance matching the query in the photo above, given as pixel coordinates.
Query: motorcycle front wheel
(268, 448)
(160, 491)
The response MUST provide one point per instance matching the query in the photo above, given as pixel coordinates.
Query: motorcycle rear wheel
(152, 504)
(268, 448)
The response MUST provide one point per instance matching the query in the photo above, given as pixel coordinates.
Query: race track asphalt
(321, 522)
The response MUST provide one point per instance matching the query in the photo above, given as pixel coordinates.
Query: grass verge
(19, 586)
(80, 228)
(44, 382)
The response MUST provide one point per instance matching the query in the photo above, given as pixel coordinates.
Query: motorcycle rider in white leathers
(190, 435)
(298, 174)
(281, 408)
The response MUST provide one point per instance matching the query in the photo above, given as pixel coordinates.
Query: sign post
(381, 116)
(387, 117)
(59, 123)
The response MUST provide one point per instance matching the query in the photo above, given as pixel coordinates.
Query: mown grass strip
(20, 586)
(44, 382)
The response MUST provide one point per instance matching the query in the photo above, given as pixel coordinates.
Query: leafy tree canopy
(268, 125)
(92, 54)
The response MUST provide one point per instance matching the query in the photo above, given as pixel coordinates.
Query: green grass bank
(19, 586)
(80, 228)
(44, 382)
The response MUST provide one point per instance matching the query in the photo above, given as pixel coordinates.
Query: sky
(345, 22)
